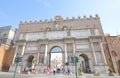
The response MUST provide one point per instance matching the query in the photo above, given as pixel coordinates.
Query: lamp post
(17, 60)
(75, 60)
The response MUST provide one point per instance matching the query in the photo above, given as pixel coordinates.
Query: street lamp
(75, 60)
(17, 60)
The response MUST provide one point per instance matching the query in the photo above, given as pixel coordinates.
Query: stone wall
(60, 24)
(8, 58)
(2, 53)
(114, 51)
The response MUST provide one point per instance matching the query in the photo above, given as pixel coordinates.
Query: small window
(92, 32)
(68, 33)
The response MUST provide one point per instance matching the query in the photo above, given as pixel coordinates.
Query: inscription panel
(82, 46)
(56, 35)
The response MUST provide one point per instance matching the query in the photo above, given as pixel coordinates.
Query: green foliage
(80, 69)
(110, 70)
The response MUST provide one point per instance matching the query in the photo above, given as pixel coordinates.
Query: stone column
(73, 48)
(65, 52)
(15, 54)
(38, 55)
(23, 49)
(93, 51)
(45, 57)
(102, 50)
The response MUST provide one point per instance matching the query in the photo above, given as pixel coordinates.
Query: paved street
(10, 75)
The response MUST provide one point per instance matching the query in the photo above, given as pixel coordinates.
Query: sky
(14, 11)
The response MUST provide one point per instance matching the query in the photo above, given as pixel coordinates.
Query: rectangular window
(92, 32)
(68, 33)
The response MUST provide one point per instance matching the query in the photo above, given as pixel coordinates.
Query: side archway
(30, 60)
(84, 63)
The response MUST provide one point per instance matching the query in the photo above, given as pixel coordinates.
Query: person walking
(69, 71)
(54, 71)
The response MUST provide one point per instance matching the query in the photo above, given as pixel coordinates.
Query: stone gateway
(80, 37)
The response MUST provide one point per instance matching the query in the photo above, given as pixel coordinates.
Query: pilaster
(103, 53)
(45, 56)
(93, 51)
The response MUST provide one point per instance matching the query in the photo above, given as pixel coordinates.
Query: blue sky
(14, 11)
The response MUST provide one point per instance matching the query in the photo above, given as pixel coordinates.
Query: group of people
(63, 70)
(27, 70)
(30, 69)
(58, 70)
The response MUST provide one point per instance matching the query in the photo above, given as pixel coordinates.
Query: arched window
(56, 49)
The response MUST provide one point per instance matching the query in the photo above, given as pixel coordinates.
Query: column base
(12, 68)
(101, 68)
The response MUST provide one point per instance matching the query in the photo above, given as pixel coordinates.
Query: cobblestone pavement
(10, 75)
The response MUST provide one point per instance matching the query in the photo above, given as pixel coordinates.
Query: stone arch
(55, 49)
(53, 52)
(84, 62)
(30, 60)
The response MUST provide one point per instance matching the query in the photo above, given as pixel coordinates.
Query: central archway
(55, 59)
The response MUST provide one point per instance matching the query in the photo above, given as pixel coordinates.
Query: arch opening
(55, 59)
(30, 60)
(84, 63)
